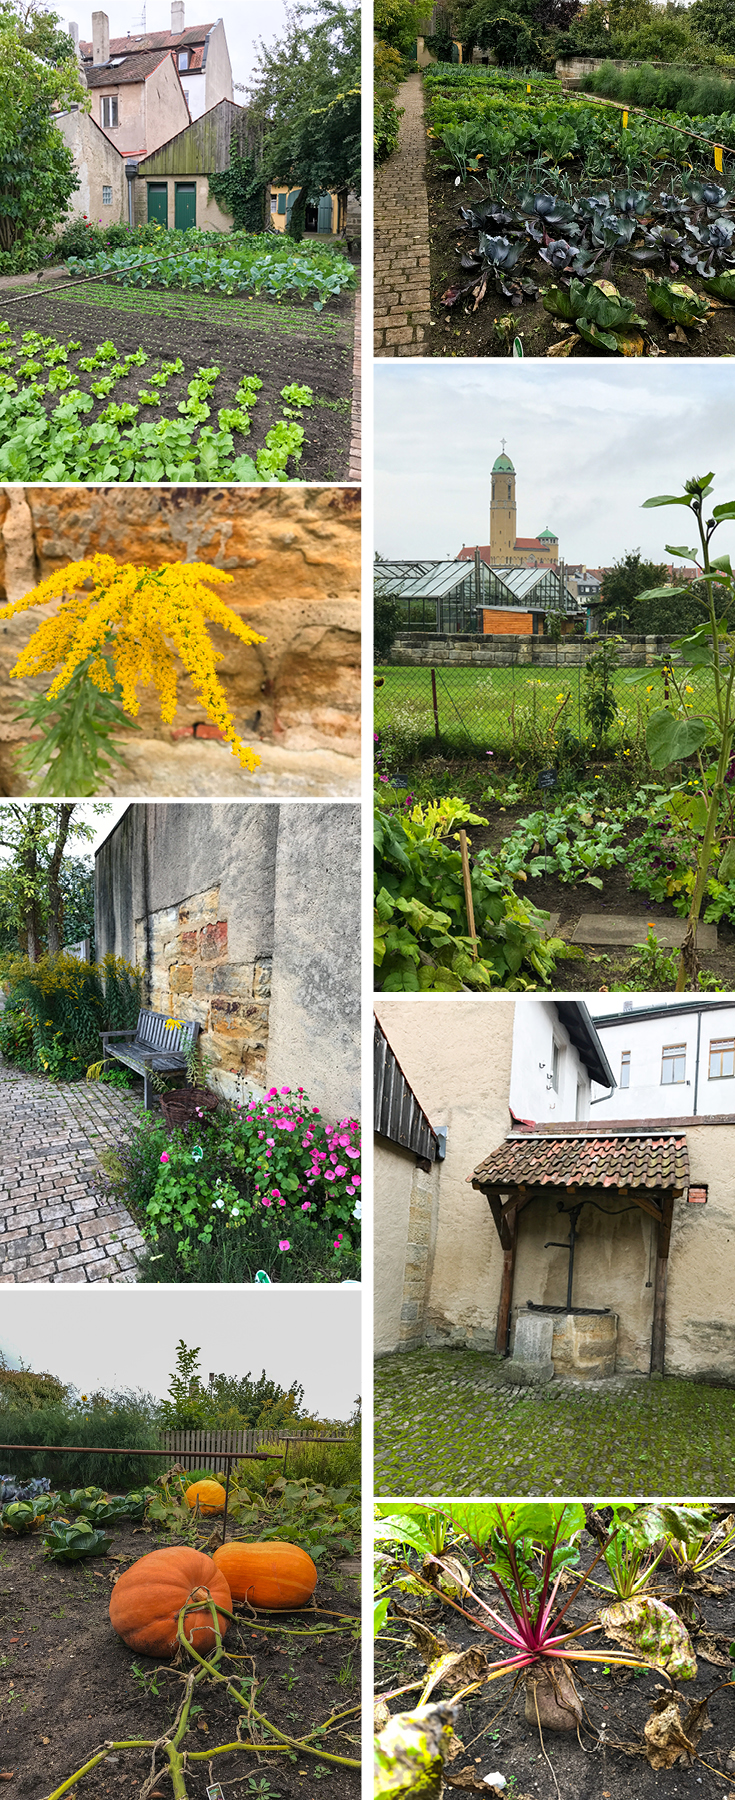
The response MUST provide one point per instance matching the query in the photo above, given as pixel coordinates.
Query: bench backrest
(152, 1031)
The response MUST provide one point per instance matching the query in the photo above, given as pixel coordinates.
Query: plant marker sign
(216, 1792)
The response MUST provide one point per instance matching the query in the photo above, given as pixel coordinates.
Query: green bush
(668, 89)
(387, 118)
(65, 1004)
(120, 1421)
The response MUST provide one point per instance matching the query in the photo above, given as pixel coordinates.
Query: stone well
(585, 1344)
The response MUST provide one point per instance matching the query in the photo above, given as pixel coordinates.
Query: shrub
(59, 1006)
(120, 1420)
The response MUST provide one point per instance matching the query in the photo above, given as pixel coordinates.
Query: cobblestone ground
(446, 1424)
(402, 301)
(52, 1226)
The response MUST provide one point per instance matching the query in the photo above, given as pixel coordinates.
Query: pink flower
(164, 1157)
(281, 1202)
(340, 1169)
(306, 1206)
(270, 1140)
(350, 1190)
(357, 1180)
(266, 1201)
(284, 1244)
(329, 1174)
(285, 1090)
(276, 1192)
(343, 1141)
(352, 1150)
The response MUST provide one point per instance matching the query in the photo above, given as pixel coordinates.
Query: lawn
(282, 344)
(444, 1424)
(536, 195)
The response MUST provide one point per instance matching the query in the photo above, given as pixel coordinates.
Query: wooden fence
(197, 1449)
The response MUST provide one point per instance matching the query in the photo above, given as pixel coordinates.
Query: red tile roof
(134, 68)
(622, 1162)
(152, 40)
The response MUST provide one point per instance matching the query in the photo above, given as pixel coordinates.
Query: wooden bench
(152, 1048)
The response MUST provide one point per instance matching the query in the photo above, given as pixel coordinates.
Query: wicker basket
(180, 1105)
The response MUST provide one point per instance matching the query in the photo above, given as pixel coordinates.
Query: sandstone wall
(224, 906)
(294, 554)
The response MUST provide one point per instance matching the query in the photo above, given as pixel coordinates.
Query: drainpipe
(131, 170)
(696, 1064)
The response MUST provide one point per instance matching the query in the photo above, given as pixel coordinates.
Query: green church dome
(503, 465)
(548, 534)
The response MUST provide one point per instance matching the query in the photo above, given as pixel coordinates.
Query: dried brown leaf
(565, 346)
(665, 1738)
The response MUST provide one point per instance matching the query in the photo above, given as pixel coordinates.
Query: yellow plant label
(625, 121)
(718, 158)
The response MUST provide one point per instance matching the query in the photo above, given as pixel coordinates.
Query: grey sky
(243, 24)
(589, 441)
(126, 1337)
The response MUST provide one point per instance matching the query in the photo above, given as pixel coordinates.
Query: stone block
(213, 941)
(181, 978)
(585, 1345)
(531, 1360)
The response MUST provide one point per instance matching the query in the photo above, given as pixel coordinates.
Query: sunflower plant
(119, 625)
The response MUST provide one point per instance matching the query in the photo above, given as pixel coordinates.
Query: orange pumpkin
(274, 1576)
(210, 1494)
(146, 1602)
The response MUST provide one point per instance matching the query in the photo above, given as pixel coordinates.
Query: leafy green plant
(240, 262)
(420, 909)
(570, 841)
(69, 1543)
(675, 732)
(74, 751)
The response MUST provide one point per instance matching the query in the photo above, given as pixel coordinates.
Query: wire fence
(510, 710)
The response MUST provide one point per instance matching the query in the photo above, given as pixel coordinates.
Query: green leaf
(726, 511)
(668, 500)
(380, 1614)
(671, 740)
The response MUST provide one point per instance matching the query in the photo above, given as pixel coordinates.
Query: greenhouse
(458, 597)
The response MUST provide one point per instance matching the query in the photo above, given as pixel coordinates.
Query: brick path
(52, 1225)
(402, 301)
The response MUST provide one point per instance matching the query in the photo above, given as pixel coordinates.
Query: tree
(714, 20)
(306, 95)
(387, 620)
(37, 171)
(236, 1403)
(33, 879)
(626, 581)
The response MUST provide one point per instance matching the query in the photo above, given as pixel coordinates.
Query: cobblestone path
(446, 1423)
(402, 301)
(52, 1225)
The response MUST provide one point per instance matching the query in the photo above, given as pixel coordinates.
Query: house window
(185, 92)
(673, 1064)
(557, 1055)
(109, 111)
(183, 59)
(107, 196)
(274, 202)
(625, 1068)
(721, 1058)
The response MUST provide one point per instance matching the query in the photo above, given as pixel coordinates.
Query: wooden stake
(468, 893)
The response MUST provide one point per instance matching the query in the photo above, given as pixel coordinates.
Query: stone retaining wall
(425, 649)
(295, 557)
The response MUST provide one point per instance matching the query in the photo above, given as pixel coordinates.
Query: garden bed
(279, 342)
(608, 1758)
(535, 195)
(68, 1685)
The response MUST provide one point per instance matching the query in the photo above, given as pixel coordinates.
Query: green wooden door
(324, 225)
(186, 205)
(158, 203)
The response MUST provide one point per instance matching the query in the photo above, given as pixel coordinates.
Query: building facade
(669, 1061)
(199, 52)
(506, 549)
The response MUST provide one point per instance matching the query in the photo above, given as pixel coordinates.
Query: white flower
(357, 1210)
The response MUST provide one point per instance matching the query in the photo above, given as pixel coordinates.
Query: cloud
(590, 442)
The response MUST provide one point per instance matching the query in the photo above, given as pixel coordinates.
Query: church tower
(503, 512)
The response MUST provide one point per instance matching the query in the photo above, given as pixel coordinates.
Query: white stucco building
(670, 1060)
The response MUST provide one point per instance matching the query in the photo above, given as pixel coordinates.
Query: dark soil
(457, 331)
(67, 1686)
(316, 358)
(496, 1737)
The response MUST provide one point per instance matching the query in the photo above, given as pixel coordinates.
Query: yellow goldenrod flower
(142, 617)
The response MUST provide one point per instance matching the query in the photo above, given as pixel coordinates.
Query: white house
(670, 1061)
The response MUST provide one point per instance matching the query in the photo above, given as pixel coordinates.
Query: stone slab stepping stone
(610, 928)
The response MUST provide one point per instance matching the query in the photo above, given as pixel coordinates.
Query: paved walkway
(53, 1227)
(446, 1423)
(402, 300)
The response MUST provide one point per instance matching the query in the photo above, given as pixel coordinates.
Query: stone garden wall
(245, 918)
(435, 649)
(295, 557)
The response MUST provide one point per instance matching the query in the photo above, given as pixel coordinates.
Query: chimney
(74, 35)
(177, 16)
(100, 38)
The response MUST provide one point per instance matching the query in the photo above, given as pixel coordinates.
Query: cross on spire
(502, 440)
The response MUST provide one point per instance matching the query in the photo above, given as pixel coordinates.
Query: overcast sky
(126, 1337)
(244, 24)
(589, 441)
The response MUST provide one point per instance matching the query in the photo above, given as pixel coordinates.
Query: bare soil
(607, 1761)
(67, 1685)
(457, 331)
